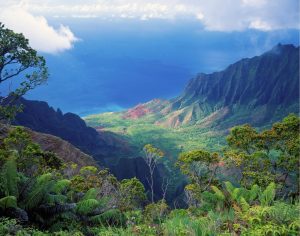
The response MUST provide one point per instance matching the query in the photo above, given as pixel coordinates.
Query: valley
(149, 118)
(248, 91)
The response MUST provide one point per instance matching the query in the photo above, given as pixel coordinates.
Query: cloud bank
(28, 16)
(216, 15)
(41, 35)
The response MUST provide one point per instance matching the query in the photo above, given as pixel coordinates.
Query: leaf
(61, 185)
(218, 193)
(9, 178)
(268, 195)
(87, 206)
(8, 202)
(244, 204)
(90, 194)
(254, 192)
(39, 190)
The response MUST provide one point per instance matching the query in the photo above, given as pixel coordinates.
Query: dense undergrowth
(40, 194)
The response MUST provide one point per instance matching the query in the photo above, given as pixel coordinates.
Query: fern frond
(208, 197)
(9, 177)
(90, 194)
(61, 185)
(39, 191)
(8, 202)
(236, 193)
(229, 187)
(55, 198)
(267, 196)
(254, 192)
(218, 193)
(113, 217)
(244, 204)
(87, 206)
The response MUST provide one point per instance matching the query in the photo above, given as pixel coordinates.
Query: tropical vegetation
(250, 188)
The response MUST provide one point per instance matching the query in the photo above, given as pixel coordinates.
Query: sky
(107, 55)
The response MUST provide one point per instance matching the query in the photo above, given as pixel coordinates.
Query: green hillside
(259, 91)
(139, 132)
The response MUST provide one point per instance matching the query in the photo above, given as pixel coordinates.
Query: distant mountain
(257, 90)
(39, 116)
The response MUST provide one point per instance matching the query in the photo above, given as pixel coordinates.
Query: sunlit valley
(149, 118)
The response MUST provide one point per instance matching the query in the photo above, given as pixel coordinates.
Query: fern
(229, 187)
(267, 196)
(8, 202)
(90, 194)
(244, 204)
(55, 198)
(218, 193)
(111, 217)
(295, 226)
(283, 213)
(60, 186)
(87, 206)
(39, 191)
(9, 177)
(254, 192)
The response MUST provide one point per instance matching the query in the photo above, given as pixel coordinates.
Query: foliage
(201, 168)
(18, 59)
(269, 156)
(156, 212)
(113, 217)
(132, 194)
(36, 191)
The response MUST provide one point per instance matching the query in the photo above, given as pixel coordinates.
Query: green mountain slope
(259, 91)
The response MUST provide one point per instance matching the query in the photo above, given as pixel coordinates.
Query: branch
(20, 70)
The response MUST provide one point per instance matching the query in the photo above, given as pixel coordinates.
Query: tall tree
(152, 156)
(20, 63)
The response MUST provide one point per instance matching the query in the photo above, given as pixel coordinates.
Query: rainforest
(149, 118)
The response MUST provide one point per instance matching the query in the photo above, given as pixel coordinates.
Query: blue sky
(110, 55)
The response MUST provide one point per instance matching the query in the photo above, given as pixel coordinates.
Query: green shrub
(156, 212)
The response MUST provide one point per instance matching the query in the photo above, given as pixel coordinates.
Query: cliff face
(272, 78)
(258, 90)
(251, 90)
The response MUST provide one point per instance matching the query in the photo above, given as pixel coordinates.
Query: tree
(201, 168)
(20, 62)
(268, 156)
(152, 155)
(132, 194)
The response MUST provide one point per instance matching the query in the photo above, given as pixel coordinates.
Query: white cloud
(255, 3)
(230, 15)
(260, 25)
(216, 15)
(41, 35)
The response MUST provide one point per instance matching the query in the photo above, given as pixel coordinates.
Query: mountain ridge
(266, 85)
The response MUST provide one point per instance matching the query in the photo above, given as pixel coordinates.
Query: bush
(156, 212)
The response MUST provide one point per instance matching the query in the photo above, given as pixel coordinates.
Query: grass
(142, 131)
